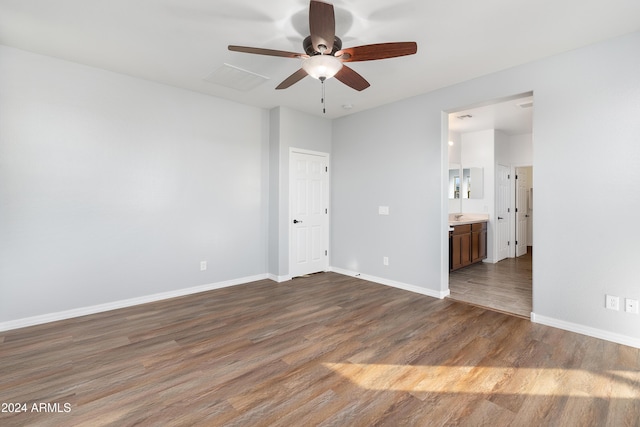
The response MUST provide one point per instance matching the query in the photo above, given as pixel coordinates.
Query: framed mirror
(455, 181)
(472, 183)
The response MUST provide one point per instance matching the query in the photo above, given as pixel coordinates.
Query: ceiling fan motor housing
(309, 50)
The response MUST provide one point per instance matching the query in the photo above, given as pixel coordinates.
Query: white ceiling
(181, 42)
(513, 116)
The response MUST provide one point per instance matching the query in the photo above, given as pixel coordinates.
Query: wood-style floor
(504, 286)
(326, 350)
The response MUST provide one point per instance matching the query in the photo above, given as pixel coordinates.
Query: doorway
(503, 208)
(503, 282)
(523, 210)
(308, 212)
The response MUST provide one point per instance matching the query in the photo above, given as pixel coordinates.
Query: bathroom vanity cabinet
(467, 244)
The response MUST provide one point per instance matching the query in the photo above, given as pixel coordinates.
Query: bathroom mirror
(472, 183)
(455, 181)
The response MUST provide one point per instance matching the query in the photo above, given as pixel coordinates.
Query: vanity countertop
(467, 219)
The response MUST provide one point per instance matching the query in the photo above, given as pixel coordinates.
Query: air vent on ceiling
(465, 116)
(526, 104)
(235, 78)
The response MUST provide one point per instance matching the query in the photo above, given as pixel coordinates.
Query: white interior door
(309, 210)
(521, 211)
(502, 212)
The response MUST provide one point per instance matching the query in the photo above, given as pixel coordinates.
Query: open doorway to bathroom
(491, 181)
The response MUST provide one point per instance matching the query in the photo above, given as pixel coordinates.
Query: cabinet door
(456, 247)
(465, 249)
(475, 246)
(478, 242)
(460, 246)
(482, 240)
(478, 245)
(460, 250)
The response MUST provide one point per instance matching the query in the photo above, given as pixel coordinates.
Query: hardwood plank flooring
(505, 286)
(327, 350)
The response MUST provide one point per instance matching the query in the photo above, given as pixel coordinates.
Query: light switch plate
(383, 210)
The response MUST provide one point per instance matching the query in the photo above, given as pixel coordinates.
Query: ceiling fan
(324, 56)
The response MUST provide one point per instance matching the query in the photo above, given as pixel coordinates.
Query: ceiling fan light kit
(324, 57)
(321, 67)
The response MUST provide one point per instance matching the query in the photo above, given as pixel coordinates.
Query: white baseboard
(586, 330)
(278, 279)
(392, 283)
(83, 311)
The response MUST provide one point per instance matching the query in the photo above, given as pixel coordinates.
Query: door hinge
(508, 210)
(516, 176)
(325, 253)
(326, 211)
(516, 210)
(326, 168)
(509, 176)
(508, 243)
(516, 243)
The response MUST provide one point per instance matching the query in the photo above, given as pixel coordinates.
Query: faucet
(458, 216)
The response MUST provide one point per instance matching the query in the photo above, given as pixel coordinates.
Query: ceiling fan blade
(322, 25)
(372, 52)
(268, 52)
(292, 79)
(352, 79)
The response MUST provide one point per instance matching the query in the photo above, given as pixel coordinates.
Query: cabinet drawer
(461, 229)
(479, 226)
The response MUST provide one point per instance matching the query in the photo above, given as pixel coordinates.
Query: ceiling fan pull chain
(324, 110)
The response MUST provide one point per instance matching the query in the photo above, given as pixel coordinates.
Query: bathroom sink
(467, 218)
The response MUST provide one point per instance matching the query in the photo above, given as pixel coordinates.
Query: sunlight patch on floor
(490, 380)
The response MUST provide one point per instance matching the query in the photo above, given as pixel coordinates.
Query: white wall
(587, 120)
(521, 149)
(389, 156)
(478, 152)
(113, 188)
(455, 153)
(586, 115)
(455, 158)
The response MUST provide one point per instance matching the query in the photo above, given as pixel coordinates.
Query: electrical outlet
(612, 302)
(385, 260)
(203, 265)
(383, 210)
(631, 305)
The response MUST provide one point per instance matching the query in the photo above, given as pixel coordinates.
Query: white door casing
(521, 212)
(308, 212)
(502, 212)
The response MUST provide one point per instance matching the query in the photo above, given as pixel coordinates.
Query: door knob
(295, 221)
